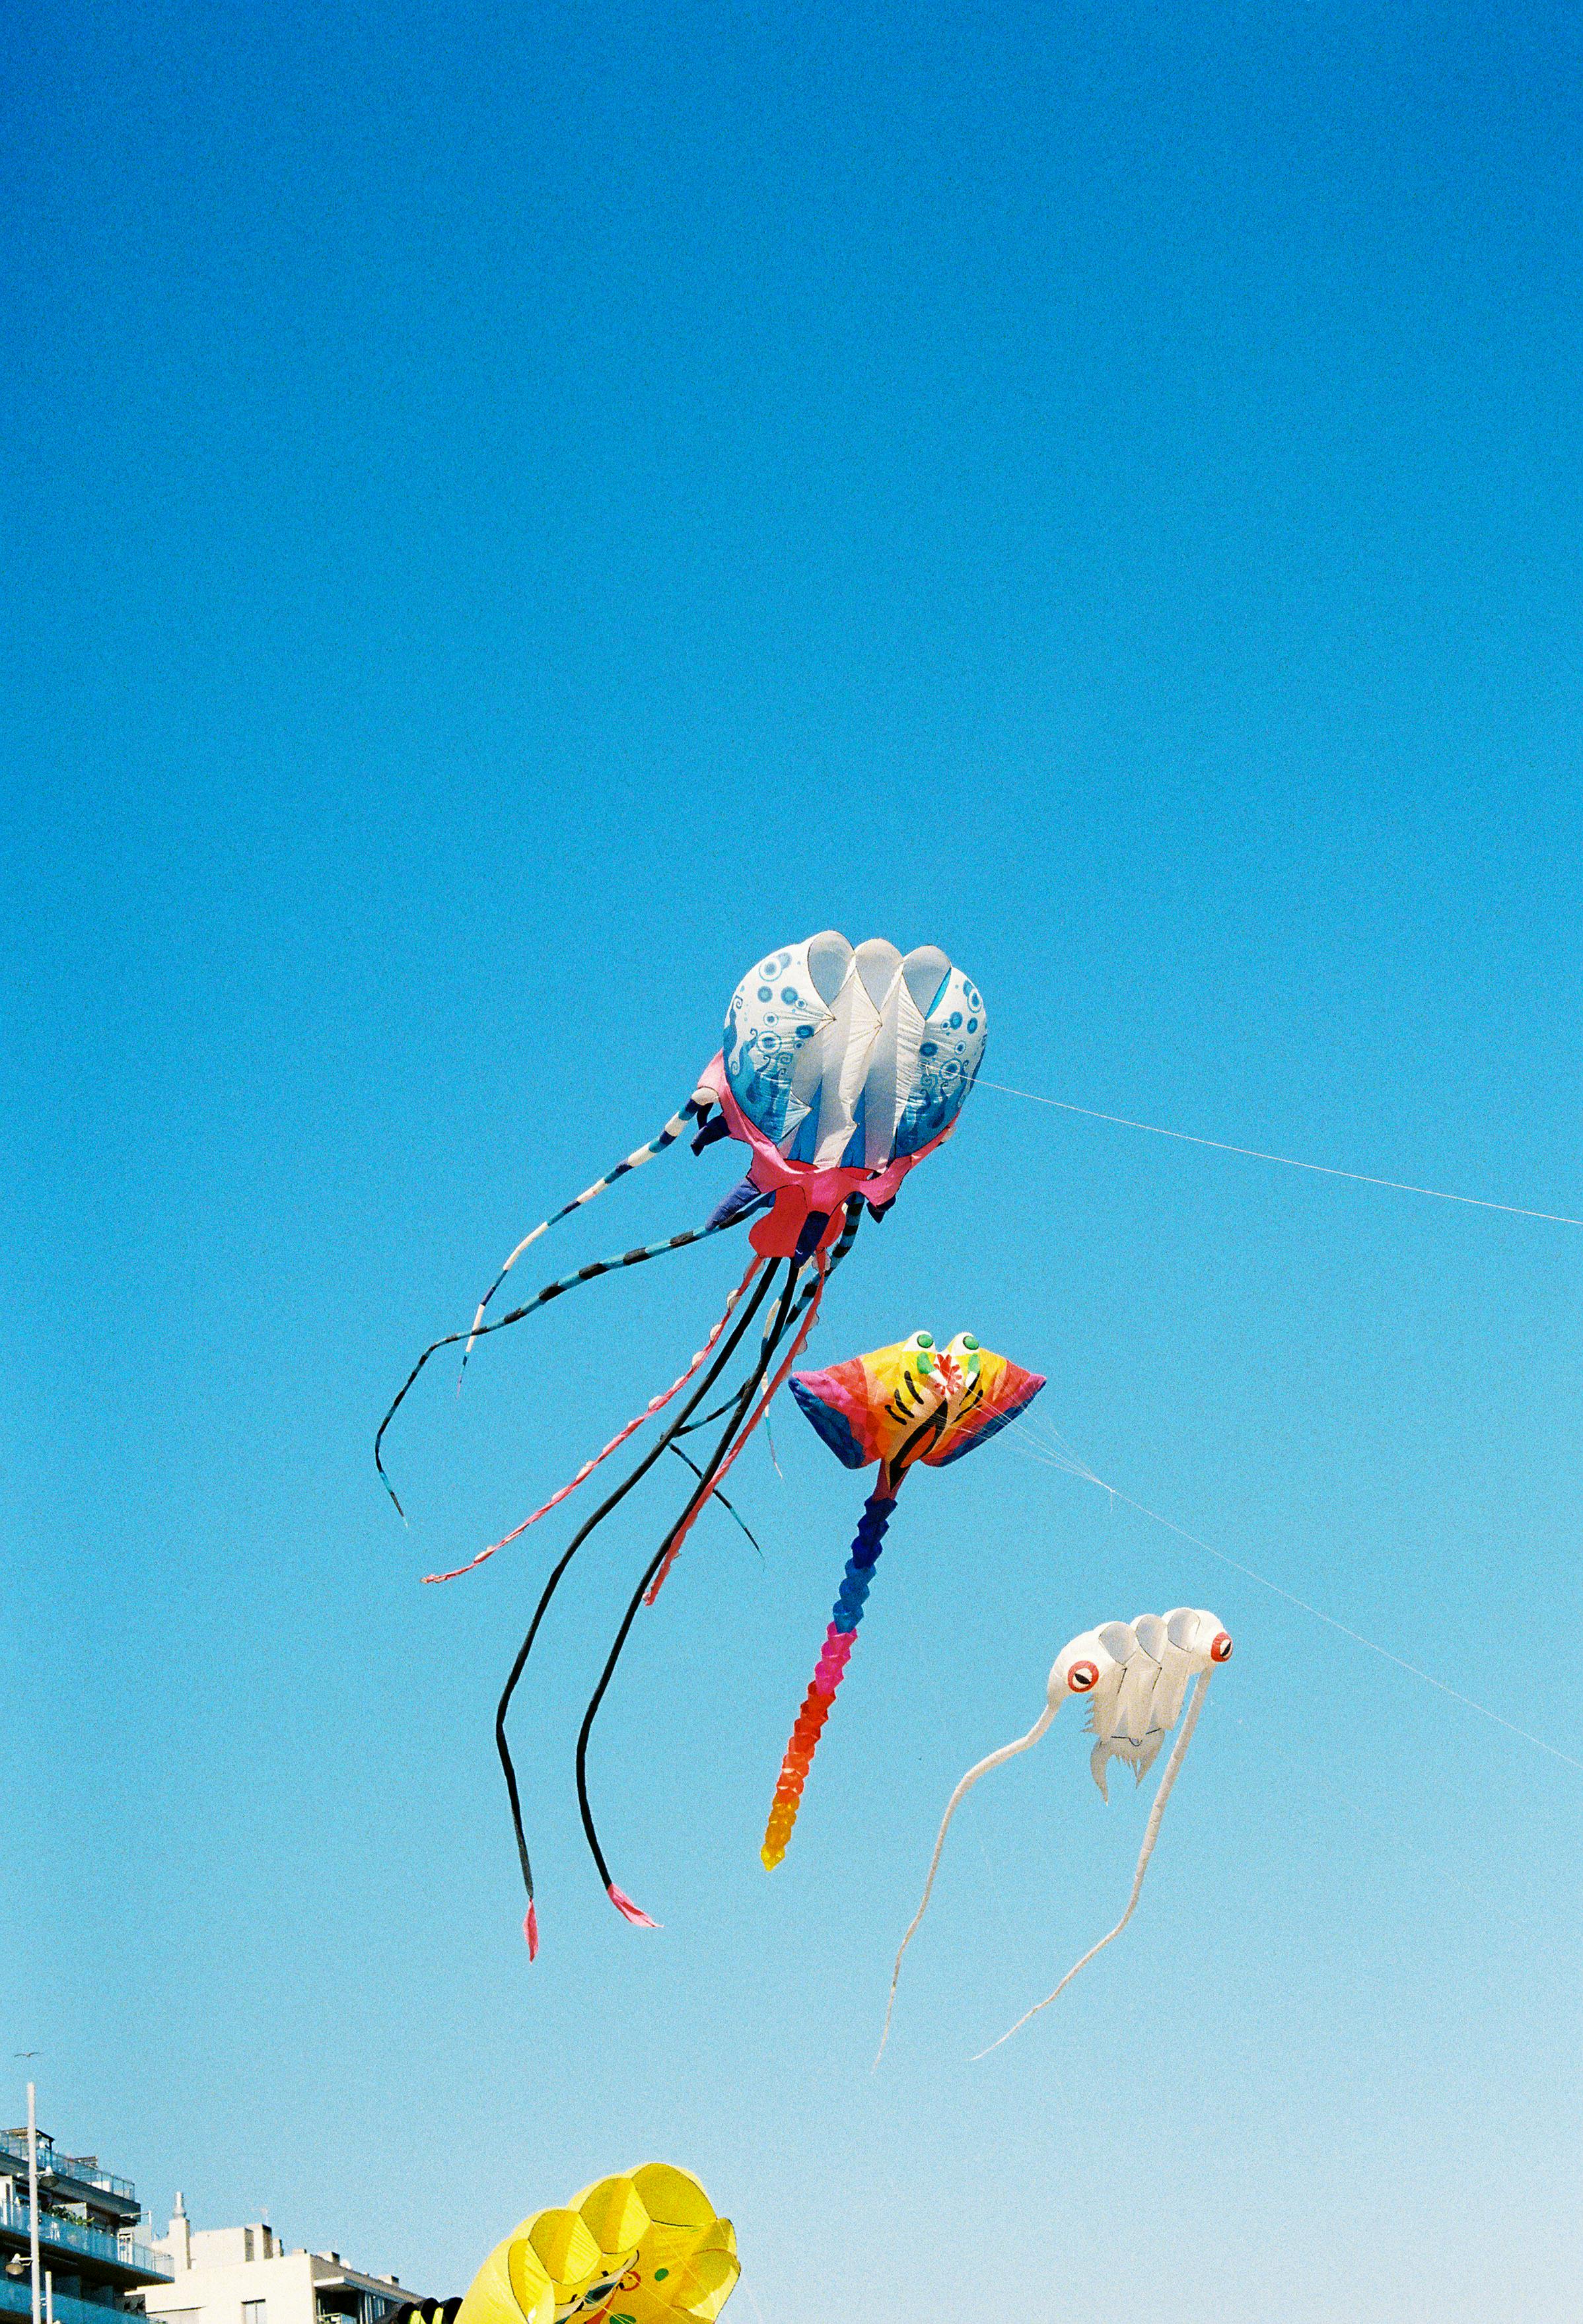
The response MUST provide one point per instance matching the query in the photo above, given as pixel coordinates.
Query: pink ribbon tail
(628, 1910)
(655, 1404)
(690, 1519)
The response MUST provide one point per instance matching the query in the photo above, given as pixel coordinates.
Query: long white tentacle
(995, 1759)
(1151, 1832)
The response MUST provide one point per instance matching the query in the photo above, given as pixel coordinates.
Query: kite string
(656, 1404)
(1151, 1833)
(1290, 1161)
(1074, 1468)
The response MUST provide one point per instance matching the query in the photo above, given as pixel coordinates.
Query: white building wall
(242, 2275)
(216, 2288)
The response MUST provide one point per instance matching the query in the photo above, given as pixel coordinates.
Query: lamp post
(32, 2199)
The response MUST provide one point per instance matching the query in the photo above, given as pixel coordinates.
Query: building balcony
(16, 2299)
(118, 2253)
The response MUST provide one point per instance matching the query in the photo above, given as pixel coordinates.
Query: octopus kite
(1134, 1678)
(841, 1070)
(914, 1402)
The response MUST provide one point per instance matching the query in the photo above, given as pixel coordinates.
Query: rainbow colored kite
(899, 1405)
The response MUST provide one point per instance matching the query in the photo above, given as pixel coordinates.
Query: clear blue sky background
(508, 513)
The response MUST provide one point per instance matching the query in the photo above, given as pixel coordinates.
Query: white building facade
(245, 2275)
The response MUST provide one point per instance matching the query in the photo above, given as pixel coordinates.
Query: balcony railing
(17, 2299)
(84, 2168)
(93, 2243)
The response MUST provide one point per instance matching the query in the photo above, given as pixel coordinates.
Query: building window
(253, 2311)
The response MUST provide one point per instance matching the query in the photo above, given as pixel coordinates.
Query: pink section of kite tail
(656, 1404)
(798, 1345)
(624, 1905)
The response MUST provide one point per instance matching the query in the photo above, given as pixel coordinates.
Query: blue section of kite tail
(853, 1594)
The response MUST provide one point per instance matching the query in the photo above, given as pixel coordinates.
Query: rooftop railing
(84, 2168)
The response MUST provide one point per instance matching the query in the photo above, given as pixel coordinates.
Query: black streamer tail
(839, 1249)
(728, 1348)
(743, 1399)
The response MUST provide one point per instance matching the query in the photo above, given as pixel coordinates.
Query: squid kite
(840, 1071)
(645, 2248)
(1134, 1677)
(899, 1405)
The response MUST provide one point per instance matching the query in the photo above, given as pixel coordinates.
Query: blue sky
(509, 515)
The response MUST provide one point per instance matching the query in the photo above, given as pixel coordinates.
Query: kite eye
(969, 1342)
(1221, 1651)
(925, 1339)
(1082, 1676)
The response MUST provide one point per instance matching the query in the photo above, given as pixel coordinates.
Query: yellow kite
(635, 2249)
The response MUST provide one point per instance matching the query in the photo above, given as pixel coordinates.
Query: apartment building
(245, 2275)
(89, 2244)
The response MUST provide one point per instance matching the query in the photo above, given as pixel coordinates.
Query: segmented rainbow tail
(827, 1676)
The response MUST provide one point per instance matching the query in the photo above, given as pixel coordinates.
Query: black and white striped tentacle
(678, 1124)
(840, 1248)
(540, 1299)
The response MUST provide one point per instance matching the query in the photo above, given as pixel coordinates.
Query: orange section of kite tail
(839, 1640)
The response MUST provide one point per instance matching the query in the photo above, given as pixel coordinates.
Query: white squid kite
(1134, 1677)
